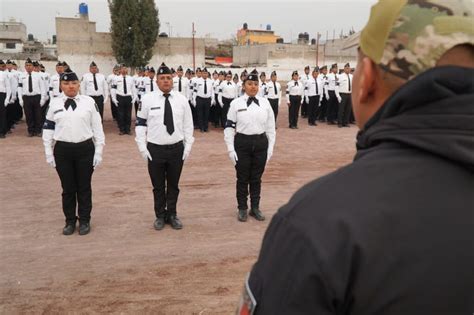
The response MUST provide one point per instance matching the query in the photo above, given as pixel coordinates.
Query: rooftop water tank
(269, 27)
(83, 9)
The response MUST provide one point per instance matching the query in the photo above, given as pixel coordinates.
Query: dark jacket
(393, 232)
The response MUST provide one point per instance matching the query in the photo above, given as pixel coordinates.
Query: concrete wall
(79, 43)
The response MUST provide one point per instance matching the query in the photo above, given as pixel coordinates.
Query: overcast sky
(218, 18)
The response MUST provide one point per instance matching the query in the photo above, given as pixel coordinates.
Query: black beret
(69, 76)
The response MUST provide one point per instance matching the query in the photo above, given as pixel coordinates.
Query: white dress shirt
(215, 86)
(240, 90)
(13, 75)
(88, 88)
(304, 78)
(54, 83)
(150, 125)
(295, 88)
(345, 83)
(38, 88)
(78, 125)
(250, 119)
(118, 87)
(314, 87)
(228, 90)
(333, 81)
(271, 91)
(5, 86)
(199, 86)
(184, 85)
(149, 85)
(262, 89)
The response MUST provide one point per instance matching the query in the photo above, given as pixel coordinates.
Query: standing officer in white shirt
(110, 82)
(180, 83)
(305, 77)
(73, 141)
(12, 109)
(124, 94)
(204, 99)
(294, 94)
(5, 95)
(333, 98)
(216, 110)
(324, 97)
(344, 91)
(274, 94)
(164, 135)
(94, 85)
(227, 93)
(263, 88)
(313, 91)
(54, 89)
(250, 138)
(149, 82)
(32, 96)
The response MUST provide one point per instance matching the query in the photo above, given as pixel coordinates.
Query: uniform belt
(262, 135)
(345, 93)
(64, 143)
(204, 98)
(167, 146)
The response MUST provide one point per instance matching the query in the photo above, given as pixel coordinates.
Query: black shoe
(69, 228)
(31, 135)
(339, 126)
(84, 228)
(128, 133)
(2, 136)
(159, 224)
(38, 134)
(175, 222)
(121, 133)
(242, 216)
(257, 214)
(346, 126)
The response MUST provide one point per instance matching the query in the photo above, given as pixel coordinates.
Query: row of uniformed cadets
(73, 139)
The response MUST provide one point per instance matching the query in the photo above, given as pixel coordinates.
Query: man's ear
(367, 80)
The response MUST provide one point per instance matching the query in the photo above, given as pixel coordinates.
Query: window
(10, 45)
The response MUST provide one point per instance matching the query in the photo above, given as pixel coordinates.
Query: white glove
(233, 157)
(185, 155)
(327, 96)
(213, 103)
(306, 99)
(269, 155)
(50, 160)
(115, 102)
(146, 155)
(6, 103)
(21, 102)
(42, 102)
(97, 160)
(339, 99)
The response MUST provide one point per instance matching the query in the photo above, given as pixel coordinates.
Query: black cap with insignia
(253, 76)
(323, 68)
(262, 74)
(36, 63)
(151, 69)
(163, 69)
(9, 62)
(347, 65)
(236, 76)
(229, 73)
(69, 76)
(198, 70)
(294, 73)
(334, 66)
(14, 63)
(180, 68)
(28, 61)
(92, 64)
(316, 69)
(59, 64)
(274, 73)
(1, 62)
(306, 68)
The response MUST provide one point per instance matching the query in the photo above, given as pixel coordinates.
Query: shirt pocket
(59, 116)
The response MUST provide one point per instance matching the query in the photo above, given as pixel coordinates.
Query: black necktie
(205, 87)
(60, 91)
(70, 102)
(296, 83)
(168, 121)
(317, 89)
(124, 85)
(151, 84)
(275, 87)
(179, 86)
(228, 83)
(252, 99)
(349, 78)
(96, 87)
(30, 83)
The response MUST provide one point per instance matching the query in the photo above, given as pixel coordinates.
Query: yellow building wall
(256, 38)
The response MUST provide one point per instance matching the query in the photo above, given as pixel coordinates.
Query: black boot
(257, 214)
(242, 216)
(84, 228)
(69, 228)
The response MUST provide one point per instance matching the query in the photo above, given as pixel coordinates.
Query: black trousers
(274, 104)
(304, 109)
(194, 113)
(137, 104)
(165, 171)
(124, 113)
(295, 102)
(74, 167)
(3, 114)
(114, 110)
(44, 109)
(313, 107)
(323, 109)
(332, 106)
(32, 107)
(99, 100)
(344, 112)
(252, 158)
(203, 106)
(225, 108)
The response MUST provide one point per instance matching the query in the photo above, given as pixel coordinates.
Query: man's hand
(97, 160)
(50, 160)
(233, 157)
(146, 155)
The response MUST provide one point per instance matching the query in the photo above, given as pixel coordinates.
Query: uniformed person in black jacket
(391, 233)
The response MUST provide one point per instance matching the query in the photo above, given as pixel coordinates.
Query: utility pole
(317, 49)
(194, 49)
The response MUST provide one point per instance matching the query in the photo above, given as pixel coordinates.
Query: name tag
(153, 108)
(57, 111)
(242, 110)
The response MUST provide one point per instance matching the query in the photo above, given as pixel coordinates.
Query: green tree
(134, 29)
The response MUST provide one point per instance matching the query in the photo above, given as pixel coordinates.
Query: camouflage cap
(407, 37)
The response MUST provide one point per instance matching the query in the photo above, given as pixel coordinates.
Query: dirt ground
(124, 265)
